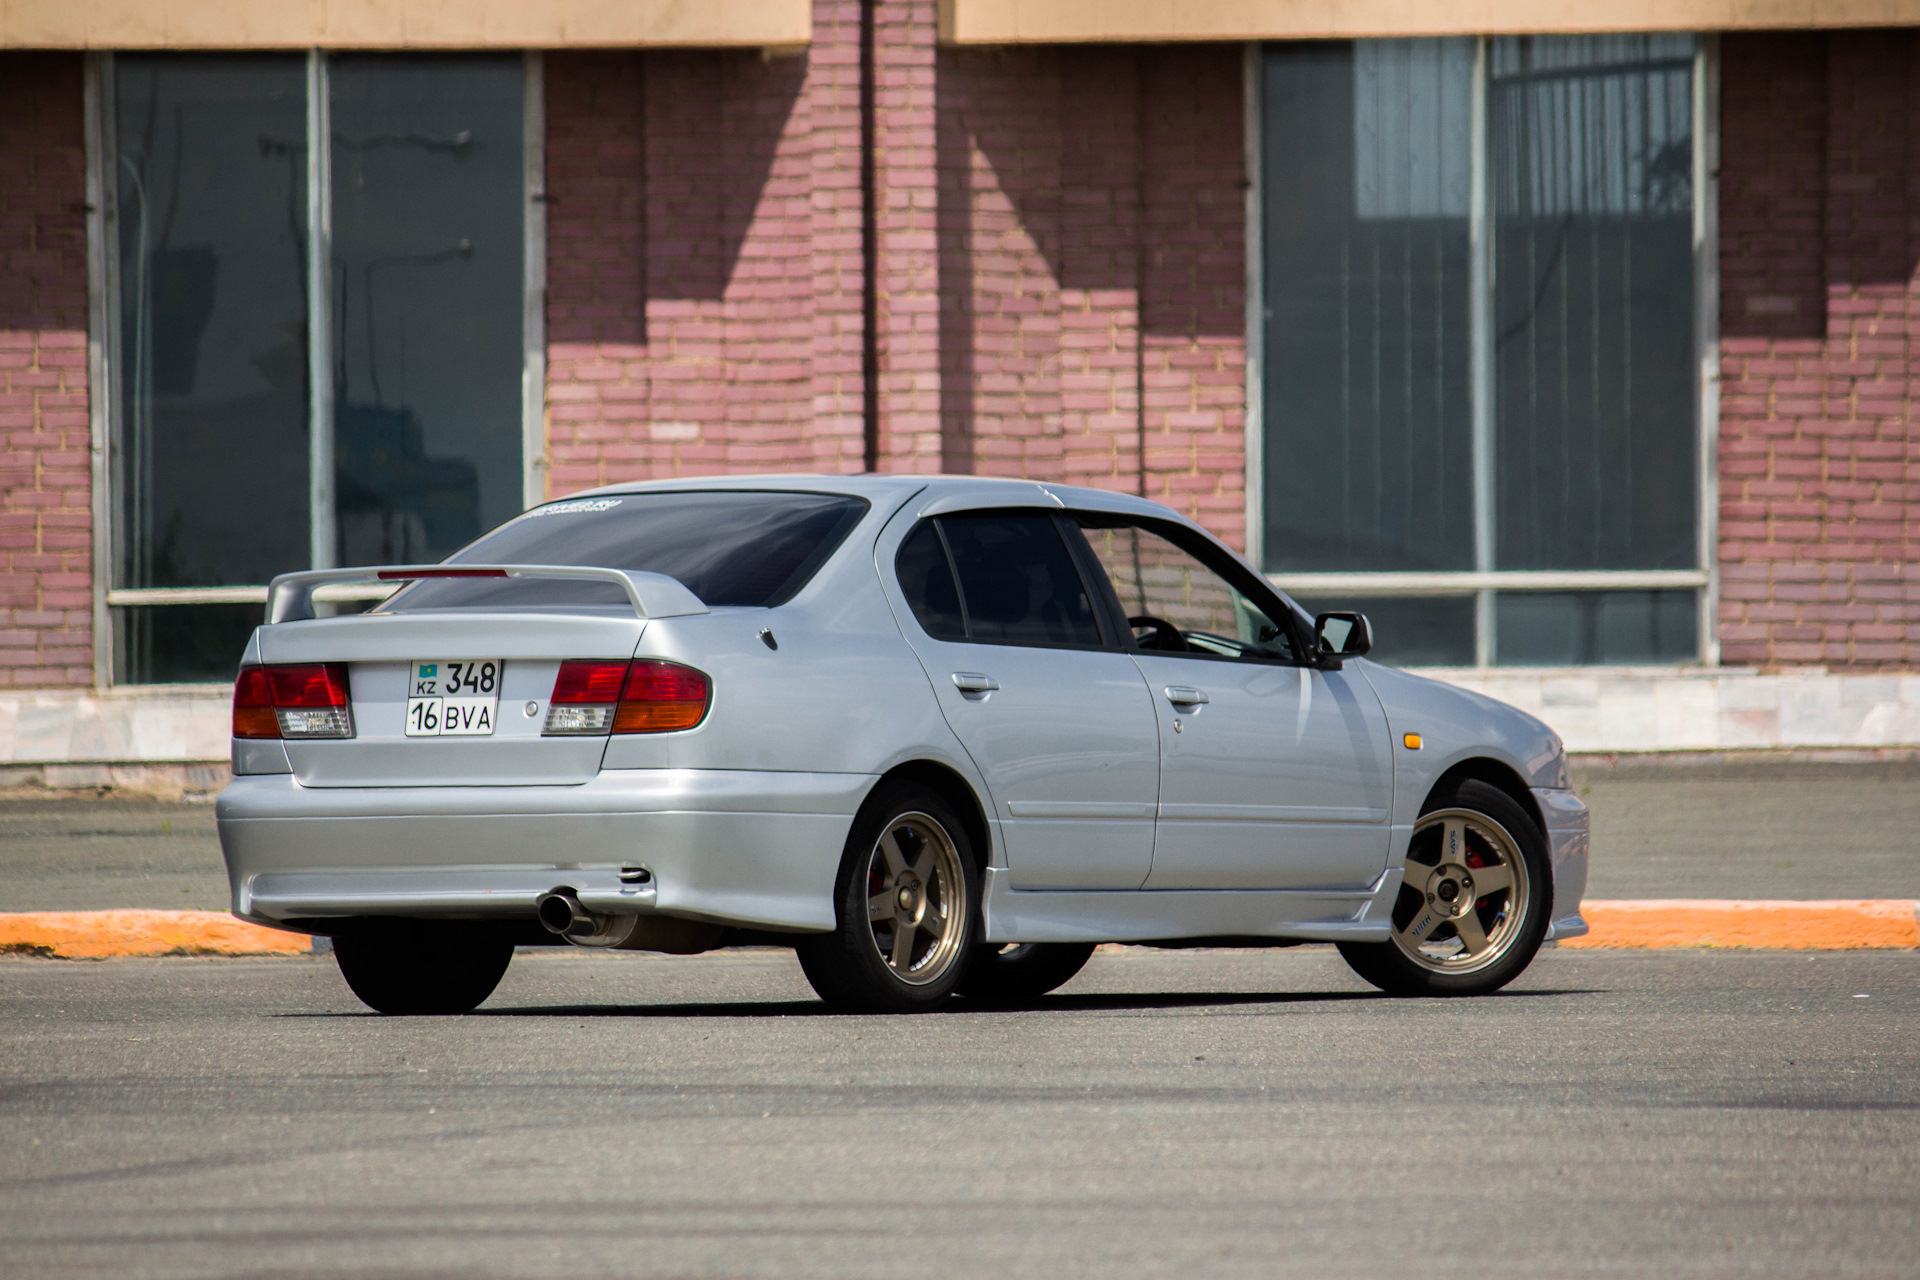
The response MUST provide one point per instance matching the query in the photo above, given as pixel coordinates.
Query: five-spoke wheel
(1465, 878)
(908, 906)
(1473, 902)
(915, 898)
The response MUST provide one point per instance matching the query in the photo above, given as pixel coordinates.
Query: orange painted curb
(96, 935)
(1838, 925)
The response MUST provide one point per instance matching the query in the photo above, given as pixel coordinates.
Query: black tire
(422, 970)
(1017, 975)
(1389, 966)
(848, 967)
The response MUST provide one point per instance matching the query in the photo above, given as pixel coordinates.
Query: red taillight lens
(313, 685)
(304, 701)
(661, 697)
(253, 705)
(584, 695)
(582, 681)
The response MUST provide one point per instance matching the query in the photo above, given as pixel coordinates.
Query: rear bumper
(733, 846)
(1568, 829)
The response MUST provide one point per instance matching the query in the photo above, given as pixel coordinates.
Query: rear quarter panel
(842, 692)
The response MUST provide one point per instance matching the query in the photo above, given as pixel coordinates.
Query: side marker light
(1412, 740)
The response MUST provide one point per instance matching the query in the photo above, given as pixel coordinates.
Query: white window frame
(103, 339)
(1483, 581)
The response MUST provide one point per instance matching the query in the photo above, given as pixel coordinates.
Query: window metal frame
(103, 342)
(1484, 581)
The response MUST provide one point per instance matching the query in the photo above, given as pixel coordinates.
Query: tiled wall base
(1627, 709)
(176, 738)
(168, 741)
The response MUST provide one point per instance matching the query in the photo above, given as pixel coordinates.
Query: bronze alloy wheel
(1464, 899)
(916, 899)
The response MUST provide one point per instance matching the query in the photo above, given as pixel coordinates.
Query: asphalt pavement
(1668, 830)
(1199, 1114)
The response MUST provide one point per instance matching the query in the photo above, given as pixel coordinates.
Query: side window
(1177, 603)
(926, 579)
(1018, 581)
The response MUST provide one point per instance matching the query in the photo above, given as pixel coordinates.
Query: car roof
(945, 491)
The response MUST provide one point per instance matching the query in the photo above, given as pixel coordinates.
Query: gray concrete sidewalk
(1764, 829)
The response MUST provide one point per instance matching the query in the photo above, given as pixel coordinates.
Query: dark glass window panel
(743, 548)
(1153, 576)
(926, 579)
(1591, 154)
(428, 289)
(1367, 362)
(1588, 628)
(211, 466)
(182, 644)
(1411, 631)
(1019, 581)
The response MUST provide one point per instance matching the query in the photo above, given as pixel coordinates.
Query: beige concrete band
(1146, 21)
(401, 24)
(1675, 922)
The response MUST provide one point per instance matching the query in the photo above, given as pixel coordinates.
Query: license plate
(454, 698)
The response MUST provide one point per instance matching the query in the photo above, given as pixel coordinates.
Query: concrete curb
(1835, 925)
(98, 935)
(1651, 923)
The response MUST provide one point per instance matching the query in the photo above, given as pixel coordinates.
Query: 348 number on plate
(459, 698)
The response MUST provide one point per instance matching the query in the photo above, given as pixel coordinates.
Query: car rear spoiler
(654, 595)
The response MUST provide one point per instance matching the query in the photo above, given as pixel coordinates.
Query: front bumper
(757, 849)
(1569, 828)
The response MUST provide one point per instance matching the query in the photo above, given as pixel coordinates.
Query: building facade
(1575, 351)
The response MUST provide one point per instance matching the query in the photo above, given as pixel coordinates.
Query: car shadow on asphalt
(1089, 1003)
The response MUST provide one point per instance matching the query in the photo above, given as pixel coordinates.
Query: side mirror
(1338, 636)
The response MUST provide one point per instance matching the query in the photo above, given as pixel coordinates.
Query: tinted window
(1157, 578)
(750, 549)
(1018, 583)
(926, 579)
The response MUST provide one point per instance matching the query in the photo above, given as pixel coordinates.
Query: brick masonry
(1819, 454)
(1060, 265)
(45, 522)
(705, 274)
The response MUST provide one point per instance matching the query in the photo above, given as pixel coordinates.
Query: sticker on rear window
(577, 505)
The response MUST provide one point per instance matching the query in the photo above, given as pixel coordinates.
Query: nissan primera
(939, 735)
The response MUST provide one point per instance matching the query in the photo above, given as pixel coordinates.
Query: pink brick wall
(705, 273)
(1819, 455)
(45, 526)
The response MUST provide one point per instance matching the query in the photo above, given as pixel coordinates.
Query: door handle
(1181, 695)
(974, 683)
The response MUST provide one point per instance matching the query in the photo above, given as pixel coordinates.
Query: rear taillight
(585, 695)
(645, 696)
(661, 697)
(304, 701)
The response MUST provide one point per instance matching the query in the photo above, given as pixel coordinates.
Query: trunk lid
(381, 651)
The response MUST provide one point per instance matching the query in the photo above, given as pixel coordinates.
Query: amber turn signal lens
(661, 697)
(253, 715)
(1413, 741)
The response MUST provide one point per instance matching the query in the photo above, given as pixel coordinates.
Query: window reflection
(428, 260)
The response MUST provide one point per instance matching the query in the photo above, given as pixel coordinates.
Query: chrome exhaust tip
(561, 913)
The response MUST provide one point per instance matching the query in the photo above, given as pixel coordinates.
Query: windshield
(729, 548)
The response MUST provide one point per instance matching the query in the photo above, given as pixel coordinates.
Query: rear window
(740, 548)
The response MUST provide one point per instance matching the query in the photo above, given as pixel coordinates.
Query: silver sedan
(940, 735)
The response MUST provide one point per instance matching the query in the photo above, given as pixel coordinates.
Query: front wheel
(422, 968)
(1473, 904)
(908, 907)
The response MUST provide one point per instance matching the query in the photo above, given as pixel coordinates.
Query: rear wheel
(424, 969)
(1473, 903)
(908, 906)
(1011, 975)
